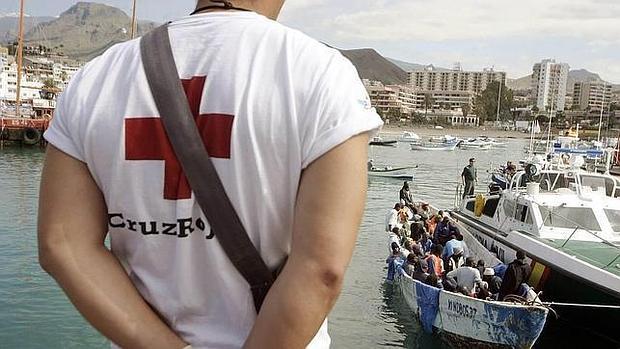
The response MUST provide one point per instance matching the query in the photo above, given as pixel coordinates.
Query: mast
(134, 26)
(600, 122)
(20, 58)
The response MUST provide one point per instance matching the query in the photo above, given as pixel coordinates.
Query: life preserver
(479, 205)
(31, 136)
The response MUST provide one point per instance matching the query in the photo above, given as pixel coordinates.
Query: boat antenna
(600, 121)
(134, 26)
(550, 121)
(20, 58)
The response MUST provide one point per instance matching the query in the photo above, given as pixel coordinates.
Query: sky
(505, 34)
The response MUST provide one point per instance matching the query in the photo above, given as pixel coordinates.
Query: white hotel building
(549, 81)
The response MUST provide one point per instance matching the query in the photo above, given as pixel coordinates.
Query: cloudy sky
(509, 35)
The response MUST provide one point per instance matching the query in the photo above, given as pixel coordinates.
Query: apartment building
(592, 95)
(549, 81)
(473, 82)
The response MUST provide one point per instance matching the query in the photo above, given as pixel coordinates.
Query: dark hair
(432, 280)
(521, 254)
(470, 261)
(412, 259)
(437, 249)
(395, 247)
(481, 263)
(396, 231)
(397, 206)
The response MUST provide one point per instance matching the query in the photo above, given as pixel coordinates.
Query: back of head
(395, 248)
(397, 207)
(521, 255)
(437, 249)
(396, 231)
(470, 262)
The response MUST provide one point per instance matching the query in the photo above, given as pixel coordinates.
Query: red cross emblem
(146, 139)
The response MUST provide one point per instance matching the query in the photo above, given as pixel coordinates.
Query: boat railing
(579, 227)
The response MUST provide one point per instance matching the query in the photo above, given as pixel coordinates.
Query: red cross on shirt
(146, 139)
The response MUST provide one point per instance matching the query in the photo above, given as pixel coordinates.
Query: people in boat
(517, 273)
(394, 237)
(410, 264)
(405, 196)
(426, 244)
(469, 177)
(391, 219)
(444, 229)
(425, 211)
(456, 259)
(393, 261)
(481, 266)
(421, 271)
(434, 261)
(493, 281)
(466, 276)
(450, 245)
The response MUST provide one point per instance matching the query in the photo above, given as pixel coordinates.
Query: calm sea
(34, 313)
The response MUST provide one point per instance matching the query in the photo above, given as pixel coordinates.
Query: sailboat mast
(134, 27)
(20, 58)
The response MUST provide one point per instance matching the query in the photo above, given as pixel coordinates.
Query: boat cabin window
(553, 181)
(613, 216)
(522, 214)
(509, 208)
(490, 207)
(596, 182)
(569, 217)
(470, 205)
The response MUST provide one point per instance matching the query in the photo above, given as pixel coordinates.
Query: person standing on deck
(287, 122)
(406, 199)
(391, 218)
(470, 178)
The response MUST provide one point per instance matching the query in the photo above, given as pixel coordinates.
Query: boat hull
(433, 147)
(466, 321)
(558, 286)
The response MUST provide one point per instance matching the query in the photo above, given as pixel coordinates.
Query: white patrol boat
(568, 222)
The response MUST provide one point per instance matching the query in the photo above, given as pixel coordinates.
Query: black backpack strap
(180, 126)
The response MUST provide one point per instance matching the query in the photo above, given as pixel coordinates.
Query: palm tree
(429, 101)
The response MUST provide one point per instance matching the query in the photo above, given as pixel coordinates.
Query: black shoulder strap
(180, 126)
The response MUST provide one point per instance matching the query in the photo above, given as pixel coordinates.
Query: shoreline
(429, 131)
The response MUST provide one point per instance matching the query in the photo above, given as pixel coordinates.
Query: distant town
(457, 97)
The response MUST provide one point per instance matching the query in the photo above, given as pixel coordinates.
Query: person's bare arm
(330, 203)
(72, 229)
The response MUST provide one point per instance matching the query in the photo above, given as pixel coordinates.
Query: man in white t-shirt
(466, 276)
(391, 218)
(286, 121)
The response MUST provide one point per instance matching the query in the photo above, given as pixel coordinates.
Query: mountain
(85, 30)
(9, 25)
(406, 66)
(371, 65)
(577, 75)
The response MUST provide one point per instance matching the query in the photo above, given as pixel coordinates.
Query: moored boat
(381, 142)
(402, 173)
(470, 322)
(434, 146)
(409, 137)
(568, 222)
(475, 144)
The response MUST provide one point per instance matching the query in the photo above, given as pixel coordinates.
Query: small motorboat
(475, 144)
(409, 137)
(434, 146)
(380, 142)
(401, 173)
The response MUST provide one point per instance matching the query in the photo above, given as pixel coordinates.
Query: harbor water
(34, 313)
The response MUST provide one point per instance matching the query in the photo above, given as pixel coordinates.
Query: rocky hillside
(85, 30)
(371, 65)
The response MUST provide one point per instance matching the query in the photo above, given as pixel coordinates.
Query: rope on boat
(579, 305)
(536, 302)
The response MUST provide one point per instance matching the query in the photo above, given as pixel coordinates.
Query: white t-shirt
(270, 101)
(391, 219)
(466, 277)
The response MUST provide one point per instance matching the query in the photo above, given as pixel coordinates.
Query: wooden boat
(380, 142)
(402, 173)
(434, 146)
(470, 322)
